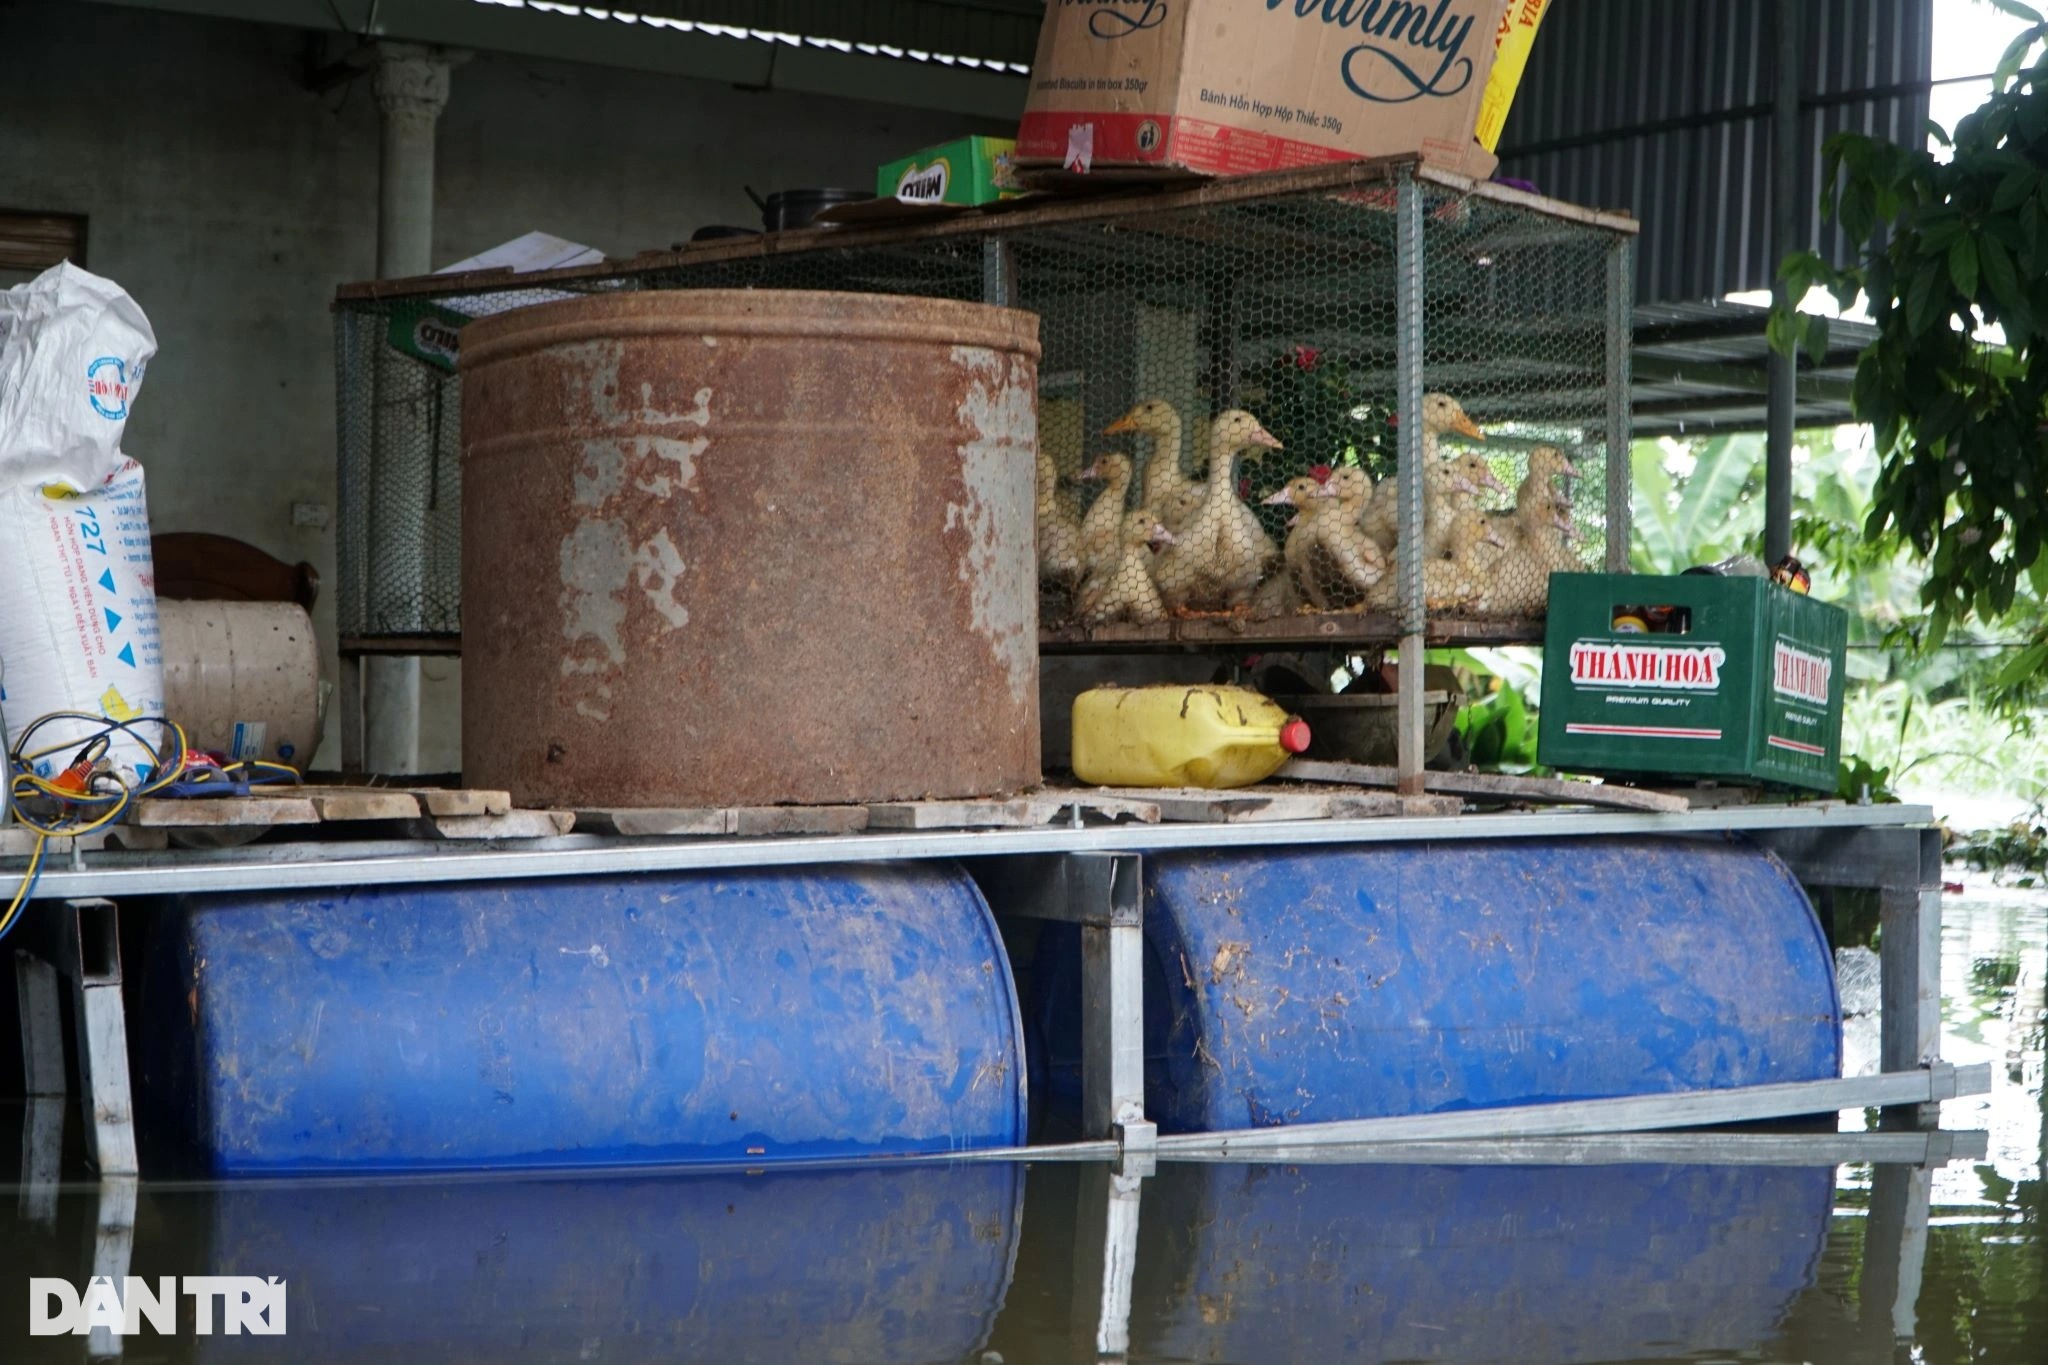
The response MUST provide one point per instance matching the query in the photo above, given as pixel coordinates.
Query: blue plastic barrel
(1305, 985)
(738, 1017)
(1471, 1264)
(904, 1263)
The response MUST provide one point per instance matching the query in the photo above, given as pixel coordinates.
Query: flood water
(1710, 1258)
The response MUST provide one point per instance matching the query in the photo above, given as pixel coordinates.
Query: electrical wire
(89, 795)
(28, 886)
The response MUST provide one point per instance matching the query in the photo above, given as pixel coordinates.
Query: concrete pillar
(411, 86)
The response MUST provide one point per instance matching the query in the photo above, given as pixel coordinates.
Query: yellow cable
(28, 879)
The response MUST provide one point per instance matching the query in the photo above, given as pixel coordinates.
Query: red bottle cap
(1294, 735)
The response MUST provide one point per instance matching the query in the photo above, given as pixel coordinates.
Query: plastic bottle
(1180, 736)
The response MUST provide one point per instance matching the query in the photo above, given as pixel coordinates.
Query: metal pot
(786, 209)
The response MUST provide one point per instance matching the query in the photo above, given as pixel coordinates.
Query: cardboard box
(1230, 87)
(966, 171)
(1752, 687)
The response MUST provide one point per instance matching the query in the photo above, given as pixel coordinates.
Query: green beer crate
(1744, 681)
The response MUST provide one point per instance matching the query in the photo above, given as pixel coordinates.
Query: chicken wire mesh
(398, 448)
(1220, 406)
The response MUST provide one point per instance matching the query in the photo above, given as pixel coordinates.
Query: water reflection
(1732, 1247)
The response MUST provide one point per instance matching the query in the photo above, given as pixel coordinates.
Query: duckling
(1059, 534)
(1122, 589)
(1343, 558)
(1305, 496)
(1441, 413)
(1098, 542)
(1218, 558)
(1181, 504)
(1548, 468)
(1461, 579)
(1537, 547)
(1164, 480)
(1467, 473)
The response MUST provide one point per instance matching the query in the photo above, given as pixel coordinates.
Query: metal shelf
(279, 867)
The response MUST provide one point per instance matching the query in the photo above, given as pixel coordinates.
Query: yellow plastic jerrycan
(1180, 736)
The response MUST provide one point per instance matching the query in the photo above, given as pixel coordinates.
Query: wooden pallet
(421, 812)
(1274, 801)
(20, 843)
(1497, 788)
(1028, 811)
(1032, 810)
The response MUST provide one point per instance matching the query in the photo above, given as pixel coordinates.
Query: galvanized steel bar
(1783, 398)
(1630, 1149)
(285, 867)
(998, 272)
(1409, 340)
(1620, 392)
(1909, 952)
(1633, 1113)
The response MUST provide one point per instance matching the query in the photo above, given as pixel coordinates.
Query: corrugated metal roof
(1702, 367)
(988, 30)
(1664, 110)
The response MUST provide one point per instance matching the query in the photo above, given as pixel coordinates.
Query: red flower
(1320, 473)
(1305, 357)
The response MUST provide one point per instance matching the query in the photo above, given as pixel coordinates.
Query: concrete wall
(230, 200)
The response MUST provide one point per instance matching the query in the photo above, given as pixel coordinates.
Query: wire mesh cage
(1353, 402)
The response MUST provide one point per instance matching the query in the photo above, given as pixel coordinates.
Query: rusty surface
(749, 547)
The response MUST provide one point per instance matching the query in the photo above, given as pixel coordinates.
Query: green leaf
(2014, 190)
(2022, 666)
(1921, 300)
(1781, 330)
(1962, 266)
(1857, 209)
(1816, 339)
(2000, 276)
(2018, 10)
(2015, 53)
(1937, 629)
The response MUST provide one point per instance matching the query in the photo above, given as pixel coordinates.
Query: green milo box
(1744, 680)
(968, 171)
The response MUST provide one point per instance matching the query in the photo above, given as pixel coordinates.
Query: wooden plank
(756, 821)
(16, 842)
(1261, 804)
(216, 812)
(1716, 797)
(1121, 207)
(517, 824)
(656, 824)
(462, 801)
(1491, 786)
(1127, 205)
(362, 803)
(1356, 628)
(1018, 812)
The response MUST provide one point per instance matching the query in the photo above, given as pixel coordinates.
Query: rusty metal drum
(749, 547)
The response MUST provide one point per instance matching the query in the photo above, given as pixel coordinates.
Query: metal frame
(1104, 894)
(78, 944)
(1093, 877)
(279, 867)
(1411, 724)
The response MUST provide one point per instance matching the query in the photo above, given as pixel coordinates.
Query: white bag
(78, 629)
(73, 348)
